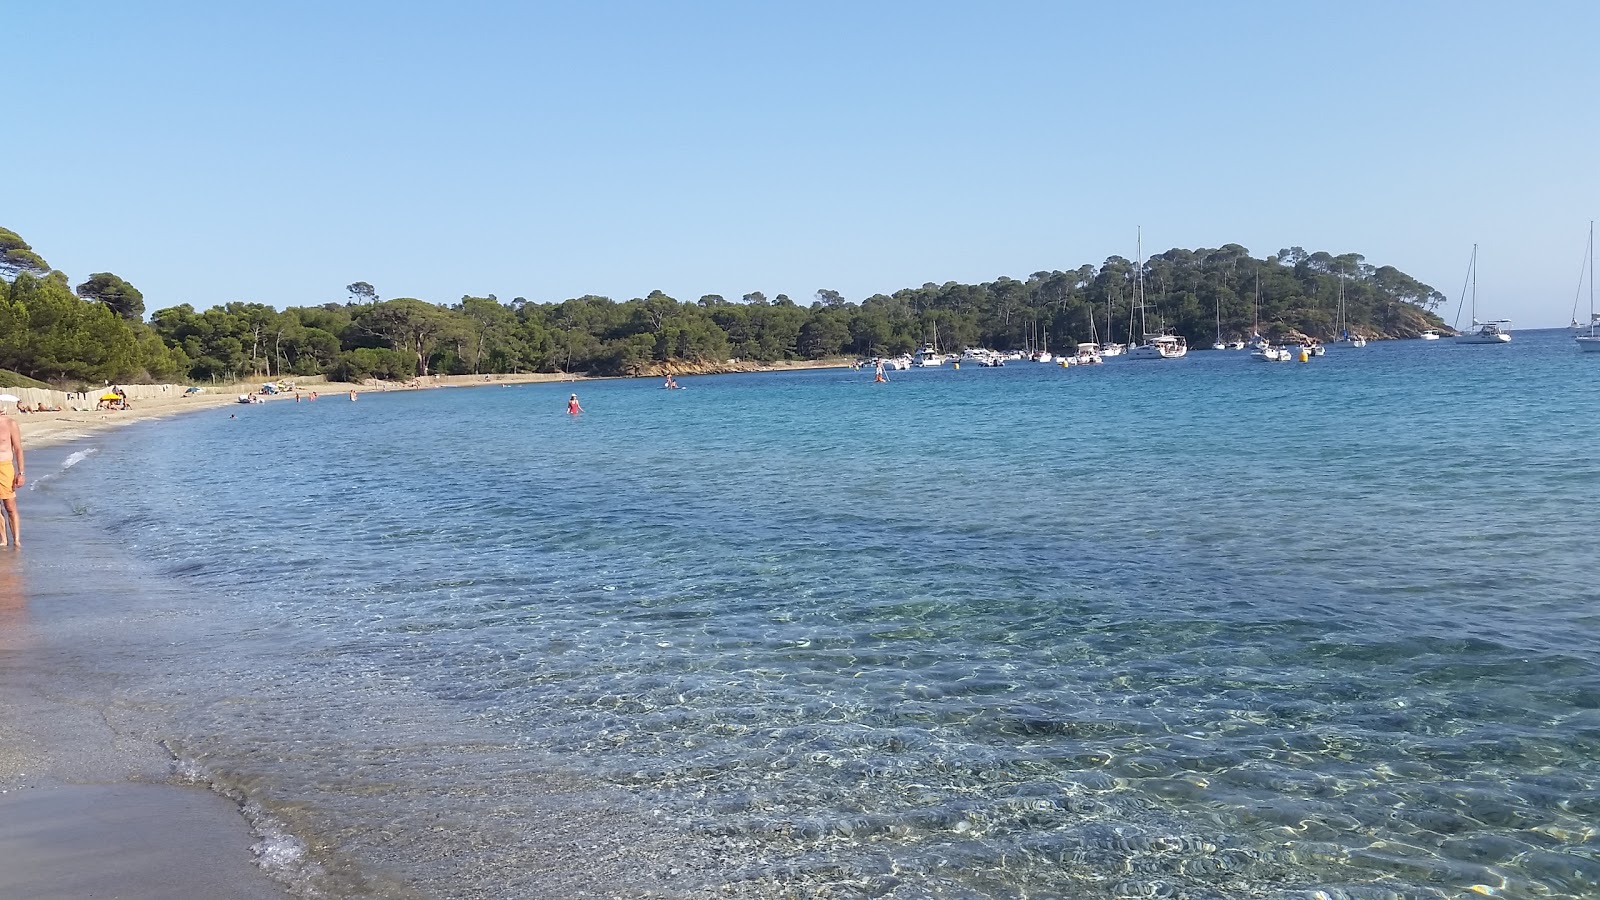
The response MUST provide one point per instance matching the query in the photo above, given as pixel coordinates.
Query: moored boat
(1590, 343)
(1490, 332)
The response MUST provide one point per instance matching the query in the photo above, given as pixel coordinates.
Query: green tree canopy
(123, 298)
(16, 257)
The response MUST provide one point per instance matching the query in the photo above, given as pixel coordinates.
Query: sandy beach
(159, 401)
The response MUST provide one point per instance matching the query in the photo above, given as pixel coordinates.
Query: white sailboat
(1590, 343)
(1261, 349)
(1109, 348)
(1489, 332)
(1219, 345)
(1088, 351)
(1157, 345)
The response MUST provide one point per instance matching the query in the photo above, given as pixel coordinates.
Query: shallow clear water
(1205, 628)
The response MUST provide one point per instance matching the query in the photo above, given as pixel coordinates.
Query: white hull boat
(1159, 346)
(1269, 353)
(1489, 332)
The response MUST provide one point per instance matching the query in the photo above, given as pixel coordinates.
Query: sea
(1203, 628)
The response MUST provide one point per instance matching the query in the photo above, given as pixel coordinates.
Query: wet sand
(89, 805)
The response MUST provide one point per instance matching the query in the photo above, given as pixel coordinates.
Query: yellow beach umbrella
(109, 396)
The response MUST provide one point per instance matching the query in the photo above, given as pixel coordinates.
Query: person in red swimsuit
(572, 406)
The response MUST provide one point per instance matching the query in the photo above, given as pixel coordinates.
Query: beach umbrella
(109, 396)
(9, 398)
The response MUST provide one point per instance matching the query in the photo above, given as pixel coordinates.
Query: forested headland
(72, 335)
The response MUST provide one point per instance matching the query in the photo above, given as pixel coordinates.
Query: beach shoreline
(54, 428)
(91, 803)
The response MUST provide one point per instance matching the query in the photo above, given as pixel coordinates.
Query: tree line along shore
(55, 334)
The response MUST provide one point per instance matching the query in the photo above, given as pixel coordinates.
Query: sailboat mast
(1138, 281)
(1591, 278)
(1474, 285)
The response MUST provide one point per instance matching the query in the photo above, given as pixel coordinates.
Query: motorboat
(1265, 352)
(928, 357)
(1088, 355)
(1429, 335)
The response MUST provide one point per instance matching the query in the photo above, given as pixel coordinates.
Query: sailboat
(1261, 349)
(1219, 345)
(1488, 332)
(1157, 345)
(928, 355)
(1110, 348)
(1089, 353)
(1590, 343)
(1346, 339)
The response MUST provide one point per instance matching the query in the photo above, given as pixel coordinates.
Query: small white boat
(1113, 350)
(928, 357)
(1088, 355)
(1236, 345)
(979, 356)
(1429, 335)
(1219, 346)
(1265, 352)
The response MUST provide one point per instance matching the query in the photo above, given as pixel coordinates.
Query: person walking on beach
(572, 406)
(11, 475)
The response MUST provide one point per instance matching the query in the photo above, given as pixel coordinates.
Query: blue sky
(277, 152)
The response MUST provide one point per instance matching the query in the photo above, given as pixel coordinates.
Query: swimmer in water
(572, 406)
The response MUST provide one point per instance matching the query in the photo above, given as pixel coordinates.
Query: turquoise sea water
(1201, 628)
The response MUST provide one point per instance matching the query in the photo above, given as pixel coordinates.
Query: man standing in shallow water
(11, 471)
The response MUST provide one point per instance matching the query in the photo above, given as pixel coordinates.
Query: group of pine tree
(97, 330)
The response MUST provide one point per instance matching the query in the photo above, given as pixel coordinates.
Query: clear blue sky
(276, 152)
